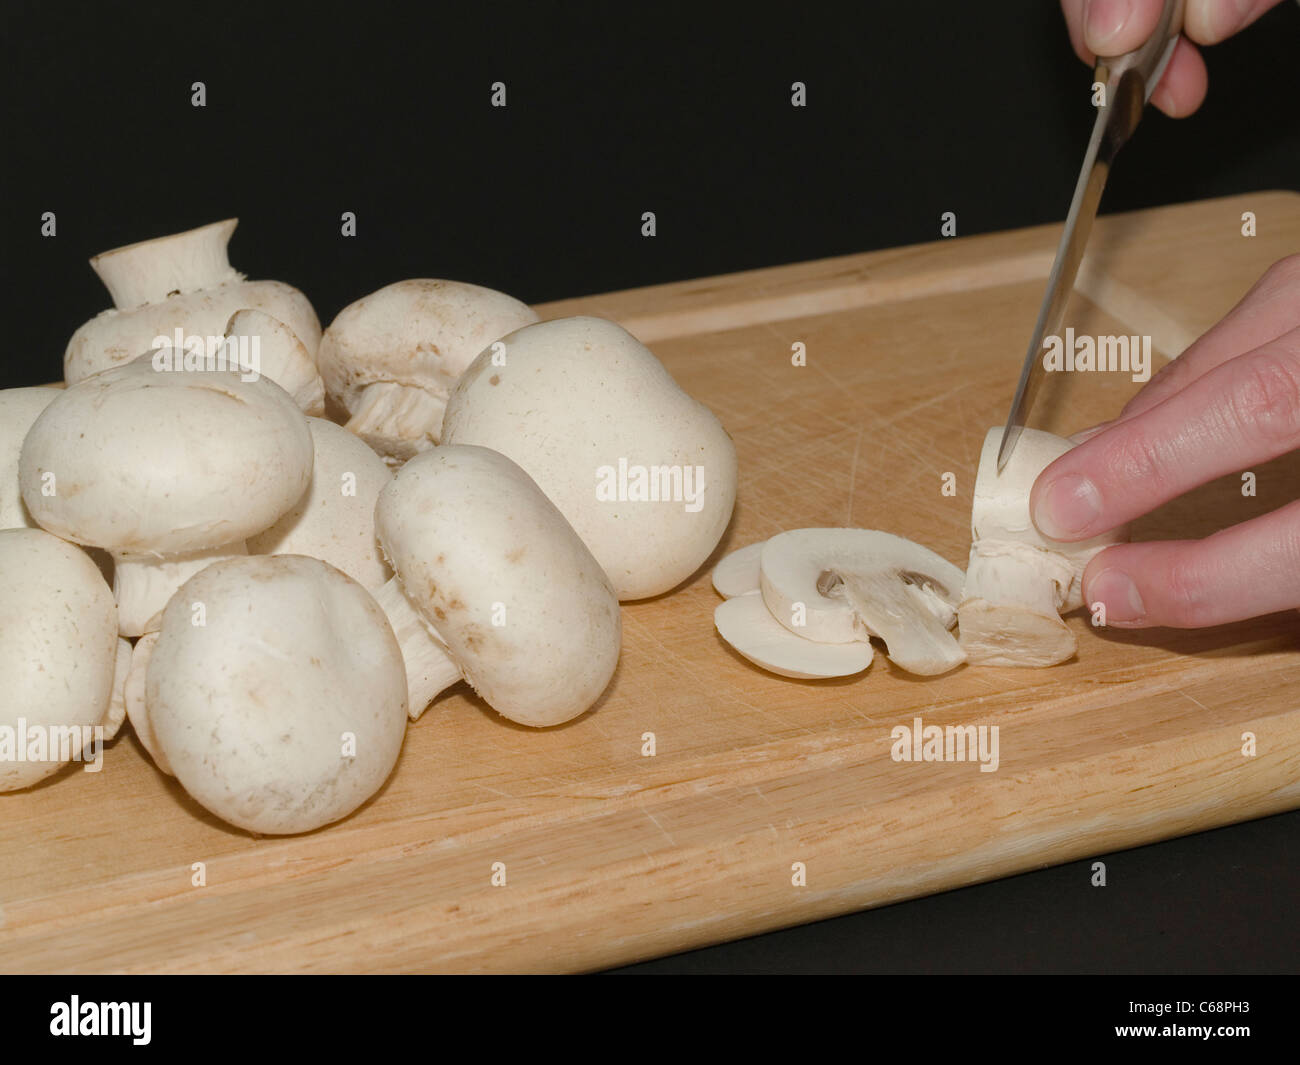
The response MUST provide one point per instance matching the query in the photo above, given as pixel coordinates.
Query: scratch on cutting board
(1196, 701)
(667, 834)
(853, 474)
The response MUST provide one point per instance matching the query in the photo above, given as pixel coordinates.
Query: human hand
(1113, 27)
(1232, 399)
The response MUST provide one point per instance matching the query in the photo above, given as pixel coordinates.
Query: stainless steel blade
(1129, 81)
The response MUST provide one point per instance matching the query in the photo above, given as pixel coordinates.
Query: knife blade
(1129, 80)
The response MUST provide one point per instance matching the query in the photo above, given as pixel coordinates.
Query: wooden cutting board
(609, 854)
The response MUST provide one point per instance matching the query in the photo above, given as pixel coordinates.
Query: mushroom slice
(738, 572)
(748, 626)
(846, 585)
(1018, 582)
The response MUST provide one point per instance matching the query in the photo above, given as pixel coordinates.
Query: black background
(914, 109)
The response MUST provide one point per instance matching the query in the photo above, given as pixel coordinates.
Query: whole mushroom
(168, 471)
(493, 585)
(183, 281)
(286, 709)
(19, 408)
(60, 656)
(645, 474)
(391, 358)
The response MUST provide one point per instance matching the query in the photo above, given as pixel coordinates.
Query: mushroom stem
(151, 270)
(1009, 614)
(397, 420)
(429, 668)
(144, 583)
(903, 615)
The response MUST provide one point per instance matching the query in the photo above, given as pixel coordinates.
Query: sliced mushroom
(748, 626)
(739, 572)
(391, 358)
(1018, 582)
(846, 585)
(183, 281)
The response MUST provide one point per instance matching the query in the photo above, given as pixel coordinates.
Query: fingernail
(1116, 589)
(1068, 507)
(1103, 20)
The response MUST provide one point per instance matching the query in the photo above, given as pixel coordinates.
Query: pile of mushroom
(806, 603)
(293, 601)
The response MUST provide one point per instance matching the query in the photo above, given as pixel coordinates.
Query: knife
(1129, 80)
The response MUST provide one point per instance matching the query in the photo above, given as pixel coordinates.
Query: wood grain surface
(612, 856)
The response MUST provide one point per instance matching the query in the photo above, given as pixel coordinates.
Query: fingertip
(1113, 27)
(1182, 88)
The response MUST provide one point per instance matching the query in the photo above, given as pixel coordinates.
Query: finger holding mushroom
(493, 585)
(285, 709)
(391, 358)
(645, 474)
(179, 282)
(168, 471)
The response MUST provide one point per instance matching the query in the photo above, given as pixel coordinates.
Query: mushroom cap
(252, 709)
(113, 337)
(149, 462)
(580, 403)
(491, 565)
(1000, 508)
(282, 357)
(19, 408)
(420, 333)
(748, 626)
(335, 518)
(58, 645)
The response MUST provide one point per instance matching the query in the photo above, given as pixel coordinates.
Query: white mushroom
(133, 695)
(58, 653)
(286, 709)
(842, 585)
(183, 281)
(281, 356)
(494, 586)
(645, 474)
(390, 358)
(166, 470)
(739, 572)
(749, 627)
(1018, 582)
(335, 518)
(19, 408)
